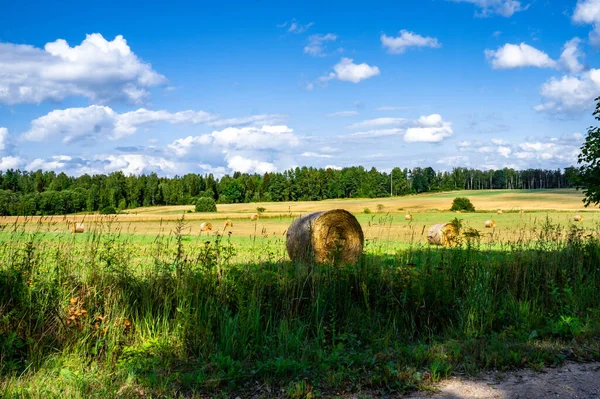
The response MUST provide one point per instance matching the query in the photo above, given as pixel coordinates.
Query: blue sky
(215, 87)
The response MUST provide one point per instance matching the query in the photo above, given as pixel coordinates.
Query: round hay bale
(326, 237)
(228, 223)
(441, 234)
(490, 224)
(500, 212)
(77, 227)
(408, 216)
(578, 218)
(206, 226)
(254, 217)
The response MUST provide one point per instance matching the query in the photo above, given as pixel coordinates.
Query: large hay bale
(77, 227)
(408, 216)
(254, 217)
(500, 212)
(228, 223)
(578, 218)
(490, 224)
(326, 237)
(206, 226)
(442, 234)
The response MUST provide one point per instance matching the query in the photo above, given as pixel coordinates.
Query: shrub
(380, 207)
(109, 210)
(367, 211)
(260, 209)
(206, 204)
(462, 204)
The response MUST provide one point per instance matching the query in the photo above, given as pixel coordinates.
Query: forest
(49, 193)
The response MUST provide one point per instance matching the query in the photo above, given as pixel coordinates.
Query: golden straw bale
(206, 226)
(77, 227)
(254, 217)
(228, 223)
(326, 237)
(490, 224)
(500, 212)
(442, 234)
(578, 218)
(408, 216)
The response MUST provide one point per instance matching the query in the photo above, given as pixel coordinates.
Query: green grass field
(143, 305)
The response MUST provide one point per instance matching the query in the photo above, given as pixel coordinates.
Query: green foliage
(589, 172)
(206, 204)
(462, 204)
(380, 207)
(260, 209)
(366, 211)
(108, 210)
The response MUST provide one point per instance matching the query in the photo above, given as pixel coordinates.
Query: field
(144, 304)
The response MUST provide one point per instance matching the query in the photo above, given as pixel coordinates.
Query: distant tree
(589, 172)
(462, 204)
(206, 204)
(108, 210)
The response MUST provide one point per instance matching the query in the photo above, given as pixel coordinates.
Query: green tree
(462, 204)
(206, 204)
(589, 159)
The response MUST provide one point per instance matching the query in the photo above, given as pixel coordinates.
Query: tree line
(49, 193)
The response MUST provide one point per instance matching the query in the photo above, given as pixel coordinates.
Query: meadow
(144, 304)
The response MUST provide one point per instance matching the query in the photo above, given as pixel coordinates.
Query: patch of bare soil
(570, 381)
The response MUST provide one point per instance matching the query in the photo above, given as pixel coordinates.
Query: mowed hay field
(524, 212)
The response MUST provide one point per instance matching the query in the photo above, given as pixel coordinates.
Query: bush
(206, 204)
(462, 204)
(109, 210)
(260, 209)
(367, 211)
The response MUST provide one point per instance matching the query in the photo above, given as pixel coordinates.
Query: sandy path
(573, 380)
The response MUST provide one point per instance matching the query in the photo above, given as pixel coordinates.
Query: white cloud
(263, 119)
(377, 133)
(406, 39)
(518, 56)
(453, 160)
(315, 155)
(95, 121)
(429, 129)
(316, 44)
(569, 59)
(11, 162)
(4, 143)
(294, 27)
(505, 8)
(347, 71)
(240, 164)
(343, 114)
(570, 93)
(96, 69)
(378, 122)
(588, 12)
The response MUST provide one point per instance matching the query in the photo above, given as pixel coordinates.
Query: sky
(262, 86)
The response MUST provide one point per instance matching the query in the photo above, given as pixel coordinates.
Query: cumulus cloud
(588, 12)
(570, 94)
(429, 129)
(97, 69)
(96, 121)
(519, 56)
(569, 59)
(347, 71)
(406, 39)
(11, 162)
(4, 143)
(505, 8)
(316, 44)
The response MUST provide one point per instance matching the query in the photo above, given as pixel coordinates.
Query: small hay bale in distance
(578, 218)
(442, 234)
(333, 236)
(490, 224)
(77, 228)
(228, 223)
(254, 217)
(206, 226)
(500, 212)
(408, 216)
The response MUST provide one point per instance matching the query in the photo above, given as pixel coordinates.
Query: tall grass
(98, 315)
